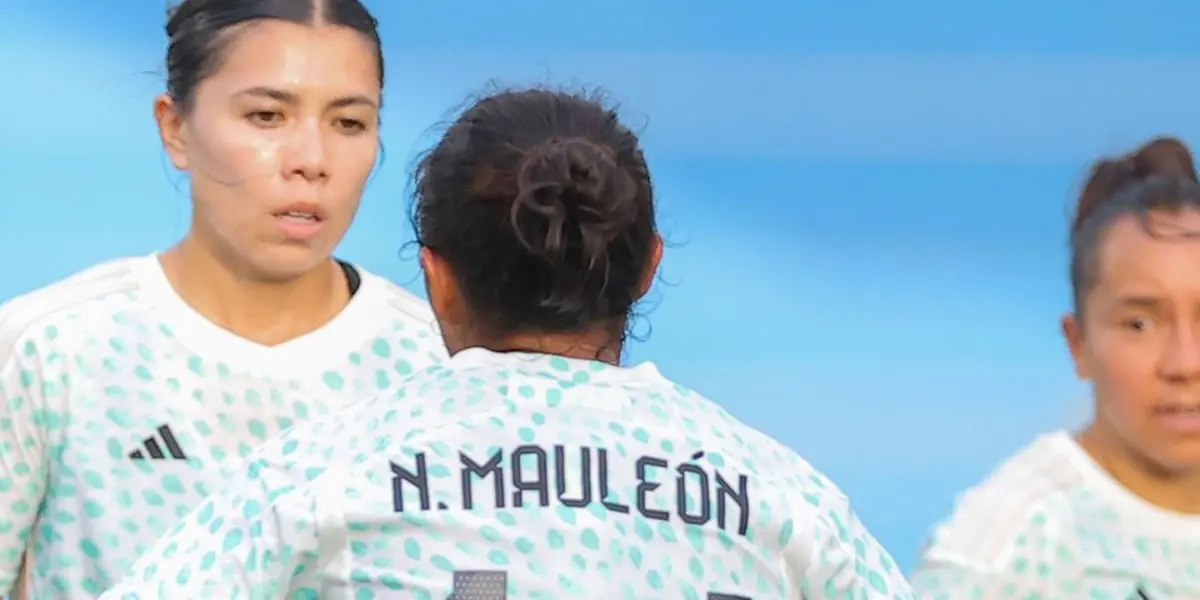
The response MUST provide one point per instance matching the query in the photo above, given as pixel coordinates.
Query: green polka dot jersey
(119, 406)
(519, 476)
(1050, 523)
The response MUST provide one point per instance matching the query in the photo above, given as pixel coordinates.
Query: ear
(656, 252)
(443, 292)
(171, 130)
(1072, 329)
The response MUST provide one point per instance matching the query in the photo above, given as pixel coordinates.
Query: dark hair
(1159, 176)
(541, 203)
(199, 30)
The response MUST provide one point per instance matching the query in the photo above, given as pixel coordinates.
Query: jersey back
(119, 410)
(513, 476)
(615, 488)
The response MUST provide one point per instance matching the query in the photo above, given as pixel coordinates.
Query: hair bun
(1164, 156)
(1160, 157)
(572, 200)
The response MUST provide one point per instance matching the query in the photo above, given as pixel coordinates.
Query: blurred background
(867, 199)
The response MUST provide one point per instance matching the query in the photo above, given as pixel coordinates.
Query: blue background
(867, 197)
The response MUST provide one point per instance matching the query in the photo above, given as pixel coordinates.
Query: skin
(289, 116)
(1138, 344)
(455, 319)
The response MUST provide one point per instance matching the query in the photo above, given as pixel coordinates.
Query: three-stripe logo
(151, 447)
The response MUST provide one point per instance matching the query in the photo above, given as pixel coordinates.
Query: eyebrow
(291, 98)
(1139, 302)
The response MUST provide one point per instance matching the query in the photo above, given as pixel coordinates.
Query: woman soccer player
(1114, 510)
(123, 389)
(531, 465)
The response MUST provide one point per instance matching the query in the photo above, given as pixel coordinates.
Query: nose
(1181, 361)
(306, 154)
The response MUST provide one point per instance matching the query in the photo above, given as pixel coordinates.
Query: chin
(1182, 456)
(288, 263)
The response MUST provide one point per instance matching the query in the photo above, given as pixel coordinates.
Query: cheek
(356, 161)
(230, 167)
(219, 216)
(1125, 381)
(231, 155)
(351, 165)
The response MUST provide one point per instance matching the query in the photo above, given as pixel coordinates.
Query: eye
(1137, 323)
(265, 118)
(350, 125)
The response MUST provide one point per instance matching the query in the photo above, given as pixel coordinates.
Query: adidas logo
(151, 446)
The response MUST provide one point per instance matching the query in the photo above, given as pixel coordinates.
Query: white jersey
(1050, 523)
(119, 403)
(523, 476)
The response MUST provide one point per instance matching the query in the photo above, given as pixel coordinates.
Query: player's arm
(275, 529)
(28, 418)
(264, 537)
(838, 558)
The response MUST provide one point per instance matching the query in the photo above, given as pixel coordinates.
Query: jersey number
(493, 585)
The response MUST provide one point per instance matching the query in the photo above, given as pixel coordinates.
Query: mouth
(1179, 417)
(1181, 410)
(300, 222)
(301, 214)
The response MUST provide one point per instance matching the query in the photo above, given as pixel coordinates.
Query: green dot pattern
(314, 513)
(1042, 527)
(82, 388)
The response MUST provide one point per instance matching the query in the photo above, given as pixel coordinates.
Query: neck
(588, 346)
(1171, 490)
(266, 312)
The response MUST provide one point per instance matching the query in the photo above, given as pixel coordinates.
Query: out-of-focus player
(125, 388)
(532, 464)
(1114, 510)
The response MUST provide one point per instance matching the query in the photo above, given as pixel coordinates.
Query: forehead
(1161, 262)
(300, 58)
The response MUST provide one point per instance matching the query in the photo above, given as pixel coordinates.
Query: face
(279, 142)
(1139, 341)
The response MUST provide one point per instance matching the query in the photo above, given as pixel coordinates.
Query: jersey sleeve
(840, 558)
(28, 422)
(263, 537)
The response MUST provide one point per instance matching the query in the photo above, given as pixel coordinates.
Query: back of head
(1158, 176)
(541, 203)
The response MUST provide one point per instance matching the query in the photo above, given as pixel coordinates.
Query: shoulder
(396, 298)
(406, 316)
(313, 445)
(758, 453)
(1024, 497)
(42, 310)
(319, 461)
(796, 493)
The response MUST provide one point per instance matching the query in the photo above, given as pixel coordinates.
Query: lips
(300, 221)
(302, 212)
(1178, 409)
(296, 214)
(1180, 417)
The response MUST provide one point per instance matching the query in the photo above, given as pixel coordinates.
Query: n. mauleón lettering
(543, 475)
